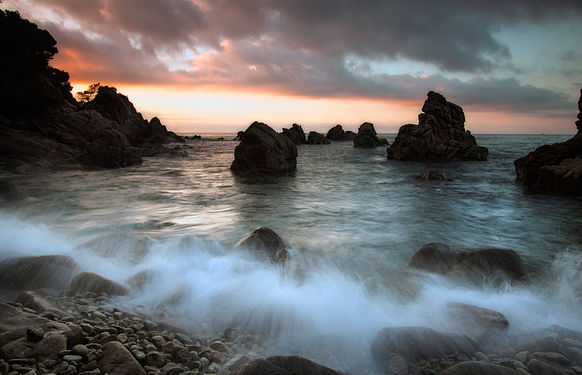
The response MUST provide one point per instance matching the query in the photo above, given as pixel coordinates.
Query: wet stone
(72, 358)
(80, 349)
(34, 334)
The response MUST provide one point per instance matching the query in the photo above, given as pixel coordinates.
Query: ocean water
(350, 218)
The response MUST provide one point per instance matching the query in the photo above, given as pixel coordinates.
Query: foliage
(89, 94)
(28, 84)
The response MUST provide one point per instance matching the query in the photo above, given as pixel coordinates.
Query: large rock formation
(337, 133)
(367, 137)
(554, 168)
(440, 135)
(315, 138)
(48, 272)
(263, 151)
(295, 133)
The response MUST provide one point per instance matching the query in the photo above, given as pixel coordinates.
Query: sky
(217, 65)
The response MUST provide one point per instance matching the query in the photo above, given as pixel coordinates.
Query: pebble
(80, 350)
(72, 358)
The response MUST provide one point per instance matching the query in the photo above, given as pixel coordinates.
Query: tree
(89, 94)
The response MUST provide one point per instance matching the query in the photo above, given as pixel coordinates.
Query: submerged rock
(556, 168)
(433, 175)
(264, 242)
(53, 272)
(91, 282)
(280, 365)
(367, 137)
(263, 151)
(476, 320)
(481, 267)
(439, 135)
(295, 133)
(315, 138)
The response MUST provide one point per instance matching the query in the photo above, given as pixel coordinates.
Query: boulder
(440, 135)
(48, 347)
(281, 365)
(337, 133)
(264, 243)
(315, 138)
(491, 267)
(50, 272)
(433, 175)
(12, 318)
(295, 134)
(140, 280)
(478, 368)
(367, 137)
(117, 360)
(556, 168)
(264, 152)
(476, 320)
(38, 303)
(91, 282)
(417, 343)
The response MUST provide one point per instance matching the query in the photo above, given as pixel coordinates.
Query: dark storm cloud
(303, 46)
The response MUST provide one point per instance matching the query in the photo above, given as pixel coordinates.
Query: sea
(350, 219)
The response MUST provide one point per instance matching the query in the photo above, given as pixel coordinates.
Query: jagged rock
(367, 137)
(439, 135)
(262, 151)
(337, 133)
(38, 303)
(482, 267)
(417, 343)
(315, 138)
(556, 168)
(296, 134)
(12, 318)
(117, 360)
(280, 365)
(53, 272)
(264, 242)
(91, 282)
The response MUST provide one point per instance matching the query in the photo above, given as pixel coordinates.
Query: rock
(439, 135)
(91, 282)
(337, 133)
(367, 137)
(155, 359)
(262, 151)
(556, 168)
(476, 320)
(417, 343)
(141, 279)
(280, 365)
(117, 360)
(12, 318)
(433, 175)
(481, 267)
(296, 134)
(34, 334)
(539, 367)
(36, 302)
(264, 243)
(48, 347)
(478, 368)
(315, 138)
(51, 272)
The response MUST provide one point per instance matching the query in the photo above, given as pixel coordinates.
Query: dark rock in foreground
(439, 135)
(263, 151)
(337, 133)
(367, 137)
(280, 365)
(315, 138)
(554, 169)
(264, 242)
(50, 272)
(491, 267)
(296, 134)
(91, 282)
(478, 368)
(476, 320)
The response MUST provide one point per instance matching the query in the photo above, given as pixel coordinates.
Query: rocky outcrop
(556, 168)
(50, 272)
(292, 365)
(264, 243)
(440, 135)
(492, 267)
(91, 282)
(315, 138)
(262, 151)
(433, 175)
(337, 133)
(367, 137)
(295, 133)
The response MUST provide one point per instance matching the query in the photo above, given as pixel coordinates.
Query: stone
(439, 136)
(12, 318)
(141, 279)
(433, 175)
(264, 243)
(39, 304)
(72, 358)
(80, 349)
(264, 152)
(476, 320)
(337, 133)
(280, 365)
(315, 138)
(539, 367)
(367, 137)
(117, 360)
(34, 334)
(91, 282)
(554, 169)
(51, 272)
(155, 359)
(417, 343)
(492, 267)
(478, 368)
(295, 134)
(523, 356)
(48, 347)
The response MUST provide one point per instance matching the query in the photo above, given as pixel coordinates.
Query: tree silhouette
(28, 84)
(89, 94)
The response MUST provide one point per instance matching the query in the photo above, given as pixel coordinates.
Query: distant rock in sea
(337, 133)
(554, 169)
(264, 243)
(263, 151)
(440, 135)
(315, 138)
(367, 137)
(295, 133)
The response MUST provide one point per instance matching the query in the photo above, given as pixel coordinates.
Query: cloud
(300, 47)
